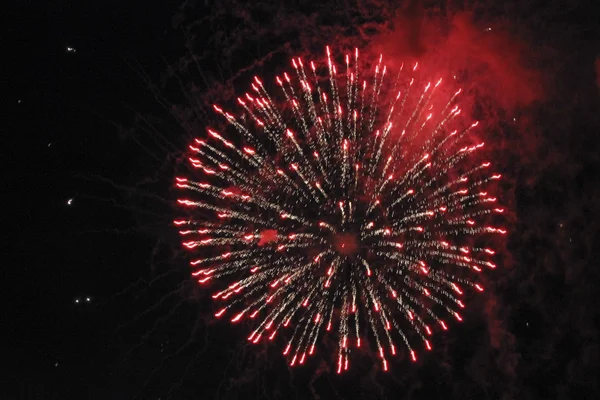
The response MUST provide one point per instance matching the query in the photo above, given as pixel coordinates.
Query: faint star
(88, 299)
(76, 300)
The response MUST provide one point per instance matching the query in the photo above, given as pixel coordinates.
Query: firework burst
(345, 206)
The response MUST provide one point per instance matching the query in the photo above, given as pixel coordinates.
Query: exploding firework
(344, 206)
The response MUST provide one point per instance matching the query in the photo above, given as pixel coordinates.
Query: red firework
(341, 207)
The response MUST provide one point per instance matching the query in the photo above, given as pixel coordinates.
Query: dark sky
(98, 304)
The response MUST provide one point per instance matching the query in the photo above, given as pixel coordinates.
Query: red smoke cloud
(496, 61)
(267, 236)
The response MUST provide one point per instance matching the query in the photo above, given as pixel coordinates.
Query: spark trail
(342, 205)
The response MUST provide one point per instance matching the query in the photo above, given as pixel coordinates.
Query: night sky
(98, 299)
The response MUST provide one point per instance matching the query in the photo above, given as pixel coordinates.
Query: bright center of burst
(345, 243)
